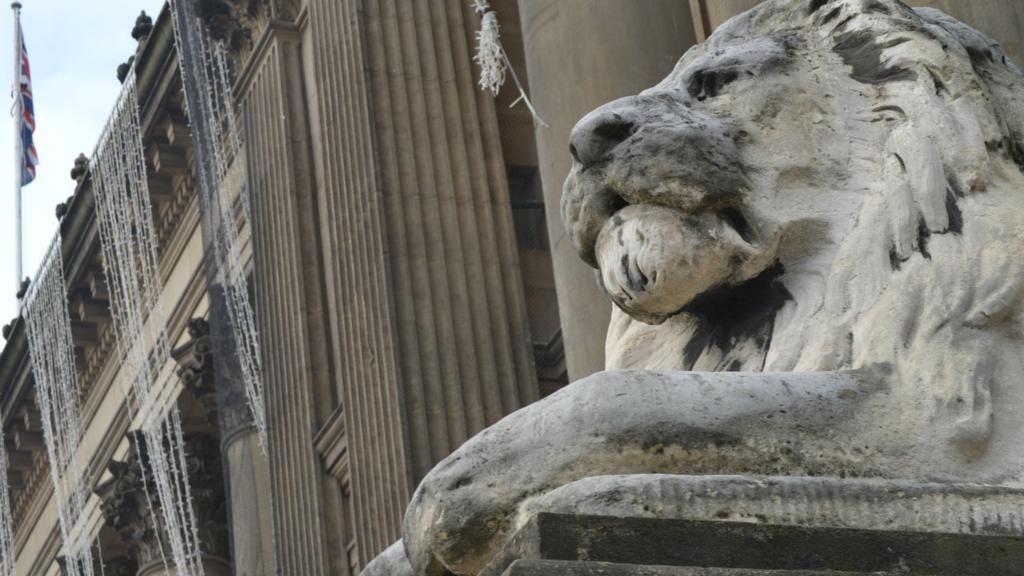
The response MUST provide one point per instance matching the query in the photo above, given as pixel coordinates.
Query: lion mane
(928, 277)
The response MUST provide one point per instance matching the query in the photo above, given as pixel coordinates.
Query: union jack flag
(28, 117)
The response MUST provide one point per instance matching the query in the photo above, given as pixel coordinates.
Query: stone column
(578, 57)
(208, 368)
(289, 305)
(425, 301)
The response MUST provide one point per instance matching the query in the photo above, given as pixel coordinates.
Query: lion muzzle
(652, 178)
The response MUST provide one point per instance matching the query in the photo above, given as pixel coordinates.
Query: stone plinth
(668, 525)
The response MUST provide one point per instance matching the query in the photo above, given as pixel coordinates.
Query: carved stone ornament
(124, 69)
(62, 209)
(126, 508)
(237, 23)
(206, 478)
(812, 233)
(128, 511)
(195, 366)
(81, 168)
(23, 290)
(143, 27)
(228, 406)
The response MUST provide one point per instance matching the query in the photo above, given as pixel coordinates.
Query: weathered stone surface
(825, 193)
(195, 366)
(392, 562)
(739, 545)
(866, 504)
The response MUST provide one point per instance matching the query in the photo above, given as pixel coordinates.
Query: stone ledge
(740, 545)
(866, 504)
(562, 568)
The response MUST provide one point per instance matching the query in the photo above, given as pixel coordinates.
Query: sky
(74, 49)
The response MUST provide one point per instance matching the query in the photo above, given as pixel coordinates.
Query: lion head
(822, 185)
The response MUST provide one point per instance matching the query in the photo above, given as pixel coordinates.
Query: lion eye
(709, 83)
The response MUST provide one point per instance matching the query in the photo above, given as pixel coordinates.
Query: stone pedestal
(578, 58)
(740, 526)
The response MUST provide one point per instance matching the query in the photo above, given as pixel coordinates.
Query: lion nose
(598, 133)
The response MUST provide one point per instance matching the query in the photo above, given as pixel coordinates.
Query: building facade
(412, 281)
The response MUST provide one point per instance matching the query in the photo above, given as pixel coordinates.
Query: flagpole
(18, 148)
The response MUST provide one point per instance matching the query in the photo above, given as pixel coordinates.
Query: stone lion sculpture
(813, 231)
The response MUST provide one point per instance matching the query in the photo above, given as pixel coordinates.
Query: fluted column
(463, 340)
(580, 56)
(358, 284)
(289, 308)
(424, 292)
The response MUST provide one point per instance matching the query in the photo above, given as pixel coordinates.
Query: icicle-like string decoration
(53, 368)
(494, 61)
(129, 246)
(6, 521)
(221, 177)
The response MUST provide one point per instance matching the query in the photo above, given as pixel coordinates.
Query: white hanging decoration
(221, 181)
(489, 53)
(52, 352)
(494, 61)
(129, 246)
(6, 520)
